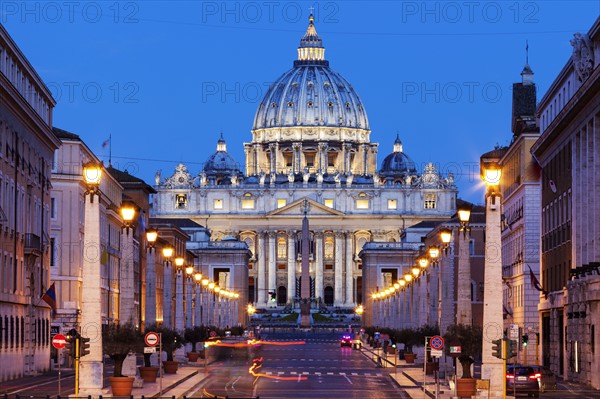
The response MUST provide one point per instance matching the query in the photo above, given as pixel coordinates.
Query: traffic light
(524, 340)
(497, 348)
(84, 346)
(511, 348)
(71, 345)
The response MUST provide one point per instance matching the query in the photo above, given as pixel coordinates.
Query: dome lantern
(397, 144)
(311, 45)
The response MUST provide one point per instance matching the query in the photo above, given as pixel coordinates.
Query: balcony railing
(33, 244)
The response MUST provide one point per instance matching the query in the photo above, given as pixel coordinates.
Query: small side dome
(221, 162)
(397, 163)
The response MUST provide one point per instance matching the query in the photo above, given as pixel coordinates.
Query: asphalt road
(317, 368)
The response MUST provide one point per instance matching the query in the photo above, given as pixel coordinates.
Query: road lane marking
(347, 379)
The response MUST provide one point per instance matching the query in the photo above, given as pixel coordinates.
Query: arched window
(281, 248)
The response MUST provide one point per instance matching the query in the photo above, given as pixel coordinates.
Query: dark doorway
(359, 287)
(328, 296)
(251, 290)
(281, 295)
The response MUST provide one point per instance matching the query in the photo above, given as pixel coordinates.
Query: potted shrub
(119, 340)
(193, 335)
(470, 339)
(407, 337)
(171, 341)
(147, 371)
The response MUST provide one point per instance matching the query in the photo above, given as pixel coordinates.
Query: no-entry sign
(59, 341)
(151, 339)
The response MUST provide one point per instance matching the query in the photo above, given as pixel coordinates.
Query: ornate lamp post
(179, 315)
(189, 272)
(150, 315)
(492, 368)
(167, 253)
(127, 311)
(91, 370)
(464, 313)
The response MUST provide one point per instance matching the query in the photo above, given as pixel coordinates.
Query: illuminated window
(218, 204)
(281, 248)
(247, 201)
(281, 203)
(429, 201)
(392, 204)
(180, 201)
(329, 247)
(328, 203)
(362, 204)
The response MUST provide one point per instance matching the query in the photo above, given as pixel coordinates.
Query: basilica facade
(310, 146)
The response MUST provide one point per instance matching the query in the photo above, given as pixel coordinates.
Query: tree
(119, 340)
(470, 338)
(171, 341)
(195, 334)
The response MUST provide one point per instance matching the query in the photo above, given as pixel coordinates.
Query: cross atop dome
(311, 45)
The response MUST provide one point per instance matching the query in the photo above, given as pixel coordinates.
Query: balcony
(33, 245)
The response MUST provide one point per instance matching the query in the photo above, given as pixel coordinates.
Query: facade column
(272, 262)
(347, 163)
(255, 151)
(261, 277)
(291, 267)
(126, 281)
(248, 154)
(365, 158)
(463, 300)
(272, 158)
(338, 299)
(319, 266)
(198, 304)
(349, 294)
(168, 294)
(296, 149)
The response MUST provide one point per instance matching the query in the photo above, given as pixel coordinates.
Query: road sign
(455, 351)
(149, 349)
(213, 333)
(59, 341)
(151, 339)
(514, 332)
(436, 352)
(436, 342)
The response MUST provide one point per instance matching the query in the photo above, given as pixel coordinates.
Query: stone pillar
(291, 267)
(248, 154)
(319, 265)
(347, 163)
(255, 155)
(297, 165)
(272, 262)
(150, 312)
(349, 292)
(179, 315)
(338, 299)
(168, 294)
(365, 158)
(126, 280)
(272, 158)
(323, 157)
(91, 371)
(189, 322)
(446, 309)
(464, 314)
(261, 276)
(198, 304)
(492, 367)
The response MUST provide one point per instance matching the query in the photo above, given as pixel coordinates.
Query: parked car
(522, 380)
(546, 378)
(346, 341)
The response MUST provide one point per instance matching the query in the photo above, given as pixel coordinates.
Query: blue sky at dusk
(166, 78)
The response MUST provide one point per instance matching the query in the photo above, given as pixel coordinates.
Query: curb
(176, 383)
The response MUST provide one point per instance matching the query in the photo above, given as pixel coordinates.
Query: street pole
(160, 369)
(59, 361)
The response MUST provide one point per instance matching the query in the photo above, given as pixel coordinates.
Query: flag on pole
(535, 283)
(106, 143)
(50, 297)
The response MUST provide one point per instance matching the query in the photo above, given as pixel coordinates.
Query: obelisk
(305, 274)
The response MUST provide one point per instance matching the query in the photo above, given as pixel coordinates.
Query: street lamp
(434, 253)
(151, 237)
(492, 368)
(446, 236)
(127, 311)
(464, 301)
(179, 264)
(167, 253)
(91, 373)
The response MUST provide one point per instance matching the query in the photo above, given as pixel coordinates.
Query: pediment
(296, 208)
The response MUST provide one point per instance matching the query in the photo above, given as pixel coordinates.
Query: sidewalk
(177, 385)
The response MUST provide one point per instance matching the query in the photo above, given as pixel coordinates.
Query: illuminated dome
(311, 94)
(397, 163)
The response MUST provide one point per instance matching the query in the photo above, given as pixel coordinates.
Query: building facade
(310, 140)
(520, 189)
(567, 152)
(26, 149)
